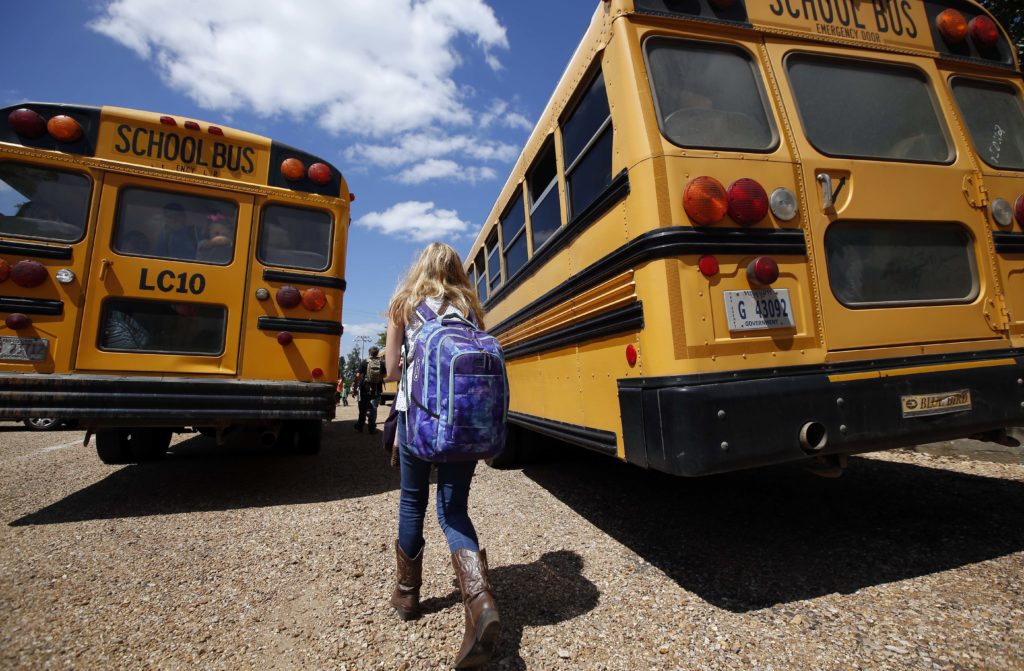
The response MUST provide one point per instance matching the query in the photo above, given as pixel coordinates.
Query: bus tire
(509, 457)
(112, 446)
(149, 444)
(308, 436)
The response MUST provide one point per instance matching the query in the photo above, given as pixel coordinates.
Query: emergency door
(167, 279)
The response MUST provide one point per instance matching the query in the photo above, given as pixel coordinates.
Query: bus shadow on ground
(199, 476)
(754, 539)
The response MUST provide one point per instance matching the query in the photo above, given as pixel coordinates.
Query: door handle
(825, 180)
(104, 267)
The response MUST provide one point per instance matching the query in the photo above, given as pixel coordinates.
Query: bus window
(542, 183)
(481, 277)
(43, 204)
(160, 327)
(513, 232)
(868, 263)
(695, 109)
(493, 261)
(295, 238)
(863, 109)
(587, 148)
(995, 119)
(175, 226)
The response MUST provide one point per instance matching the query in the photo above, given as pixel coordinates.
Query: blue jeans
(452, 500)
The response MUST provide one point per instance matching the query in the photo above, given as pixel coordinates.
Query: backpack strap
(425, 313)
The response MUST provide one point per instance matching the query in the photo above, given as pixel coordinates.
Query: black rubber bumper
(174, 399)
(699, 425)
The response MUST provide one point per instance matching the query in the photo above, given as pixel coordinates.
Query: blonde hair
(437, 273)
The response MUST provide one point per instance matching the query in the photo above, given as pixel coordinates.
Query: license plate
(921, 405)
(758, 309)
(13, 348)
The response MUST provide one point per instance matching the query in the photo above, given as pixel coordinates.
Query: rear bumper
(175, 400)
(701, 425)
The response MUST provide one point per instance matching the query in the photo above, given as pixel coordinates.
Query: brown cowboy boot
(406, 597)
(482, 622)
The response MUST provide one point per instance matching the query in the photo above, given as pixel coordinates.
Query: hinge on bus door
(996, 314)
(975, 193)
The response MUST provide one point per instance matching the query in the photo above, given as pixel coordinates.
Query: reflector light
(284, 338)
(314, 299)
(64, 128)
(708, 266)
(763, 270)
(5, 270)
(65, 276)
(319, 173)
(17, 321)
(748, 202)
(1018, 209)
(168, 121)
(705, 201)
(28, 274)
(952, 26)
(983, 31)
(262, 294)
(215, 130)
(292, 169)
(192, 125)
(351, 197)
(1002, 212)
(631, 355)
(288, 297)
(26, 122)
(318, 373)
(783, 204)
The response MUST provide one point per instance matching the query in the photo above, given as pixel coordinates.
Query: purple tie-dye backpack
(458, 394)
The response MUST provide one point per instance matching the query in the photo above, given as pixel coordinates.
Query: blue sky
(424, 105)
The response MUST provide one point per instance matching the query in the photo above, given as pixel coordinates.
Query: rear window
(708, 95)
(995, 119)
(176, 226)
(879, 264)
(160, 327)
(292, 237)
(43, 204)
(862, 109)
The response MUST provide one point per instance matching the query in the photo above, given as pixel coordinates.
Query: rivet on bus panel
(27, 123)
(17, 321)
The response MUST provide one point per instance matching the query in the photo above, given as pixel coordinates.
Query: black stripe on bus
(593, 439)
(613, 193)
(622, 320)
(304, 278)
(29, 249)
(31, 306)
(661, 244)
(1009, 243)
(299, 325)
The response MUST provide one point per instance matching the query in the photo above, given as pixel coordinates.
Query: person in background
(342, 392)
(370, 385)
(438, 279)
(177, 238)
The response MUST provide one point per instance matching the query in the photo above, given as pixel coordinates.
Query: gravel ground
(236, 558)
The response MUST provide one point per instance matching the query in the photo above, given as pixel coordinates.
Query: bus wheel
(112, 446)
(308, 436)
(149, 444)
(509, 457)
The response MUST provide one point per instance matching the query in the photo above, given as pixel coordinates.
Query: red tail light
(17, 321)
(288, 297)
(631, 355)
(705, 201)
(1018, 209)
(984, 32)
(318, 373)
(28, 274)
(192, 125)
(215, 130)
(292, 169)
(284, 338)
(168, 121)
(708, 266)
(763, 270)
(27, 123)
(952, 26)
(319, 173)
(64, 128)
(314, 299)
(748, 202)
(5, 268)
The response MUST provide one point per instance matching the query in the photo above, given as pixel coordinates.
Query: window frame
(992, 83)
(480, 274)
(104, 314)
(493, 281)
(262, 222)
(520, 233)
(88, 206)
(605, 126)
(769, 112)
(930, 88)
(533, 204)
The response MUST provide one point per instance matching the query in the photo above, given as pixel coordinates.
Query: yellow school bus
(158, 272)
(745, 233)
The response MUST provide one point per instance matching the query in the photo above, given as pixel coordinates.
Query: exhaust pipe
(813, 437)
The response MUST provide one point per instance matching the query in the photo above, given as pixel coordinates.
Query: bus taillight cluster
(293, 170)
(954, 28)
(29, 123)
(707, 202)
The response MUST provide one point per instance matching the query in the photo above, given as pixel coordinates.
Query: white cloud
(372, 329)
(416, 221)
(417, 147)
(364, 66)
(443, 169)
(499, 113)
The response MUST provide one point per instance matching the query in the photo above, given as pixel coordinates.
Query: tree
(352, 362)
(1008, 13)
(381, 338)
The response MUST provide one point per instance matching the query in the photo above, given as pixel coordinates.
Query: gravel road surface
(237, 558)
